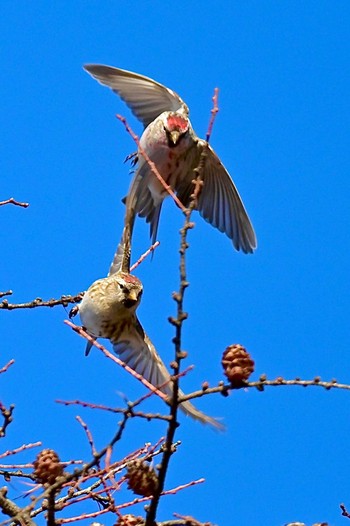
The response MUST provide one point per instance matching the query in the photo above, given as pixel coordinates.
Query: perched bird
(108, 310)
(171, 143)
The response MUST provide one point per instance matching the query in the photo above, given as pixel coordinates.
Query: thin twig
(213, 112)
(13, 201)
(143, 256)
(68, 477)
(183, 486)
(94, 451)
(38, 302)
(118, 410)
(83, 516)
(88, 434)
(18, 473)
(344, 511)
(7, 293)
(24, 447)
(7, 366)
(115, 359)
(151, 164)
(263, 382)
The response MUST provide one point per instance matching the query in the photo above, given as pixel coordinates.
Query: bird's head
(176, 127)
(130, 290)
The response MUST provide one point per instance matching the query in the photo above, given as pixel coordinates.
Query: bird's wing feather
(137, 351)
(219, 202)
(146, 98)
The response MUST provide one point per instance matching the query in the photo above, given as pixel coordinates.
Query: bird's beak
(131, 300)
(132, 296)
(174, 137)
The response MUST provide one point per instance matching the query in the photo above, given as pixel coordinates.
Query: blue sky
(283, 133)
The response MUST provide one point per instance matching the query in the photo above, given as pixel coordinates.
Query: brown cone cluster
(142, 479)
(237, 364)
(47, 467)
(129, 520)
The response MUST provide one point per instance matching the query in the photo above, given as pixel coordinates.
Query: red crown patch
(176, 122)
(129, 278)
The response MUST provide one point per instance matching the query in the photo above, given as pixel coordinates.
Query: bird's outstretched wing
(219, 202)
(137, 351)
(146, 98)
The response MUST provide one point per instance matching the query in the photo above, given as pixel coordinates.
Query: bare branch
(213, 112)
(115, 359)
(12, 201)
(344, 511)
(143, 256)
(24, 447)
(12, 510)
(38, 302)
(263, 382)
(7, 293)
(7, 366)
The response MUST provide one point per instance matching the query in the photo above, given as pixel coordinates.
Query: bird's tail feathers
(190, 410)
(122, 256)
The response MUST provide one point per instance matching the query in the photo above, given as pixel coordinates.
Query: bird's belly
(169, 169)
(97, 324)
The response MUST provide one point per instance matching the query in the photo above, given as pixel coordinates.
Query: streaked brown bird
(171, 143)
(108, 310)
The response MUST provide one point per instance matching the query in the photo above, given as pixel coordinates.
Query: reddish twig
(151, 164)
(16, 466)
(183, 486)
(71, 462)
(143, 256)
(83, 516)
(20, 449)
(108, 469)
(173, 491)
(213, 112)
(88, 434)
(115, 359)
(13, 201)
(174, 377)
(7, 366)
(104, 471)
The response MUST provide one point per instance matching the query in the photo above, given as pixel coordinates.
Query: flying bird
(171, 143)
